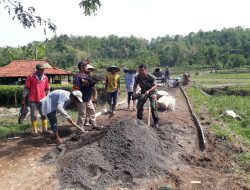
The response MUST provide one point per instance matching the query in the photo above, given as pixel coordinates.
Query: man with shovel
(55, 102)
(148, 86)
(86, 84)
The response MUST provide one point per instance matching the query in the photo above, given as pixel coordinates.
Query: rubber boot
(45, 126)
(34, 127)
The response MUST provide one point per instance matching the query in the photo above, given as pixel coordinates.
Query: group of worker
(84, 93)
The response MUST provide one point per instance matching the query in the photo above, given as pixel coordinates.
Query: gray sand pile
(127, 152)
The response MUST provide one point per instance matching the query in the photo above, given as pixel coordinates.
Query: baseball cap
(78, 94)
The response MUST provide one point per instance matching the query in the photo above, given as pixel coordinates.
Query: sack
(166, 103)
(161, 93)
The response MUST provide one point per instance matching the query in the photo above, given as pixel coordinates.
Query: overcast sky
(141, 18)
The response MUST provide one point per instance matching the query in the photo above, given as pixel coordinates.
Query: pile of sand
(124, 154)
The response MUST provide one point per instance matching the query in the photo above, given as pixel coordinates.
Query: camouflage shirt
(145, 82)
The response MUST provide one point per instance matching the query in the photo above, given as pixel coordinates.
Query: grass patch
(216, 106)
(220, 132)
(243, 158)
(9, 128)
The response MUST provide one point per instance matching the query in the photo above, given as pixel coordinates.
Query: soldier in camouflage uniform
(148, 86)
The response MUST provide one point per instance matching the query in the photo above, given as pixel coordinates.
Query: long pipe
(197, 122)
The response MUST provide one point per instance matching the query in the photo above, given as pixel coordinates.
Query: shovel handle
(149, 114)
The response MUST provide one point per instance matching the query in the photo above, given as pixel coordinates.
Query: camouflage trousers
(153, 104)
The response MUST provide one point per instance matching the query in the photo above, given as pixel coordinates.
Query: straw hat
(109, 69)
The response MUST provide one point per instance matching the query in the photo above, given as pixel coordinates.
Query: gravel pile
(127, 152)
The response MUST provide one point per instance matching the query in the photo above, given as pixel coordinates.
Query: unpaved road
(22, 165)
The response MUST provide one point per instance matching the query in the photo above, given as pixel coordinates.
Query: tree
(237, 61)
(196, 49)
(28, 19)
(148, 58)
(212, 56)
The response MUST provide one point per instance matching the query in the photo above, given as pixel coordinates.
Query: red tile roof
(22, 68)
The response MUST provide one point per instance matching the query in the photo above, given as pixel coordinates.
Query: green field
(216, 105)
(225, 79)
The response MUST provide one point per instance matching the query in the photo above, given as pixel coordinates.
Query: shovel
(82, 130)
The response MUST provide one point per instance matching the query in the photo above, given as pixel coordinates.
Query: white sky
(141, 18)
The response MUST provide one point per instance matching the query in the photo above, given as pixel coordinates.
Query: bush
(10, 95)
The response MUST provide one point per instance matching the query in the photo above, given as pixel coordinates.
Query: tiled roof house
(18, 70)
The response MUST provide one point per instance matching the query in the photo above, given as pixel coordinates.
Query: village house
(17, 71)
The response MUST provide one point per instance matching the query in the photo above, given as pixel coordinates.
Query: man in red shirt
(36, 87)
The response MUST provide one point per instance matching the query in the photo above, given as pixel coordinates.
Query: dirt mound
(127, 152)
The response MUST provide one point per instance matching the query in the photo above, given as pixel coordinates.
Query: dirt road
(22, 163)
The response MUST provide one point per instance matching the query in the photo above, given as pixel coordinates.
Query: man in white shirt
(129, 77)
(56, 101)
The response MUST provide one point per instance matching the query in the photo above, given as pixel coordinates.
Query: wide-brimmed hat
(91, 68)
(40, 66)
(113, 67)
(78, 94)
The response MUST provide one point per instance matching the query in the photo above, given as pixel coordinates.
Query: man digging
(55, 102)
(148, 86)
